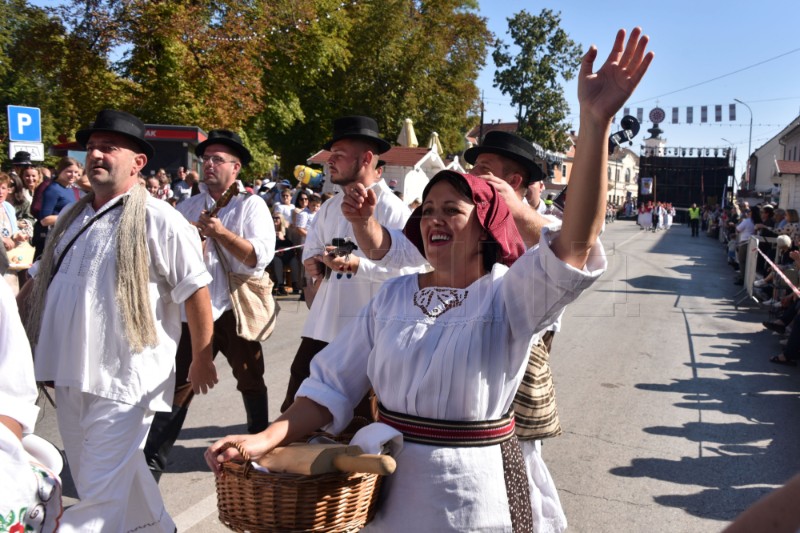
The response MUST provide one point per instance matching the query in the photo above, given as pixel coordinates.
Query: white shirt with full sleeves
(247, 216)
(462, 364)
(18, 392)
(340, 297)
(746, 229)
(82, 342)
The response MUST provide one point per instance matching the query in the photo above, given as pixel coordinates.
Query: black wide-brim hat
(230, 139)
(22, 159)
(357, 127)
(510, 146)
(113, 121)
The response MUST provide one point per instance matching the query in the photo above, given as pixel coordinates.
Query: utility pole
(749, 143)
(480, 129)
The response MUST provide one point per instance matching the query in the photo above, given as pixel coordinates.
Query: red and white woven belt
(448, 432)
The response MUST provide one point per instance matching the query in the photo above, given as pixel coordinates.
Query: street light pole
(749, 141)
(733, 182)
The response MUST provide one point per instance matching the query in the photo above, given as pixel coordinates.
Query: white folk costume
(548, 515)
(106, 393)
(245, 215)
(646, 218)
(30, 493)
(447, 354)
(341, 297)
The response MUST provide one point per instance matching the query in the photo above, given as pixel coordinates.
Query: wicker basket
(249, 500)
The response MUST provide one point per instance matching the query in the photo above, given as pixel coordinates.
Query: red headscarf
(490, 208)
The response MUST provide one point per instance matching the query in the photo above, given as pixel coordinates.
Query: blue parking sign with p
(24, 123)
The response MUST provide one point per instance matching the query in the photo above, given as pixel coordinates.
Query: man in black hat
(512, 165)
(352, 278)
(103, 315)
(504, 159)
(247, 244)
(21, 161)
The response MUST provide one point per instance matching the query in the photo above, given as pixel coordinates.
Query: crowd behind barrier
(762, 244)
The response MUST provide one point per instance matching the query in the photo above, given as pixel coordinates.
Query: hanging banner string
(778, 271)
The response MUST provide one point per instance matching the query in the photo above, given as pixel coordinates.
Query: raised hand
(358, 203)
(602, 93)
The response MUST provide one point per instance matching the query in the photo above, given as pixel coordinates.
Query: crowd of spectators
(778, 233)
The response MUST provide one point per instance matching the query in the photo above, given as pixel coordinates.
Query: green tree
(236, 64)
(390, 60)
(44, 65)
(531, 77)
(277, 71)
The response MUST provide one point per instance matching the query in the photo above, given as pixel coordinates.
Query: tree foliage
(44, 64)
(391, 60)
(531, 78)
(277, 71)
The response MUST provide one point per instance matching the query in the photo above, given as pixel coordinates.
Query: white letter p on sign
(22, 121)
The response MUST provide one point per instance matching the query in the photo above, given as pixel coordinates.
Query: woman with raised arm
(445, 350)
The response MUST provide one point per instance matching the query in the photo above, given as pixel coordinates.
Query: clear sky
(694, 42)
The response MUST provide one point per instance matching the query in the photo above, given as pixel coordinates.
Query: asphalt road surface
(673, 418)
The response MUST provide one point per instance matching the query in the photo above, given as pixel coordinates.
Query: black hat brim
(82, 136)
(534, 170)
(383, 146)
(240, 149)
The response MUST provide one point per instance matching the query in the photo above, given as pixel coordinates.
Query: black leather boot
(257, 411)
(164, 432)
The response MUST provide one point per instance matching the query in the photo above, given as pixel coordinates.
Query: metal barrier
(749, 274)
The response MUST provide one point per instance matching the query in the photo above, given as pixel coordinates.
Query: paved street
(673, 418)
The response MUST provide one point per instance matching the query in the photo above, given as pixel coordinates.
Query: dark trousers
(789, 313)
(245, 358)
(247, 363)
(694, 223)
(792, 349)
(301, 369)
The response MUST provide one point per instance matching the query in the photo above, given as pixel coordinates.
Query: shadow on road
(737, 462)
(187, 458)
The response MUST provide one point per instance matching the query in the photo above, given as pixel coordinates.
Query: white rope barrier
(289, 248)
(779, 272)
